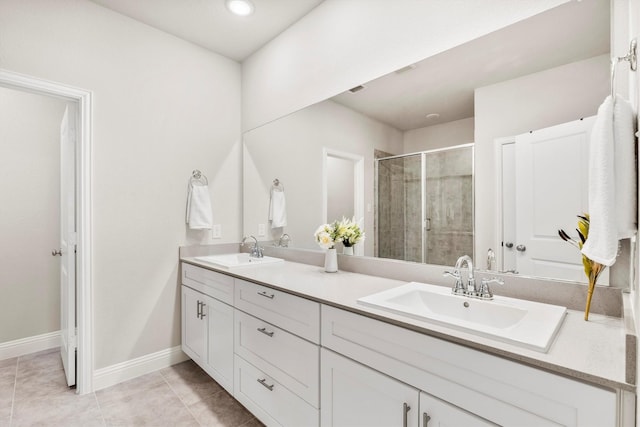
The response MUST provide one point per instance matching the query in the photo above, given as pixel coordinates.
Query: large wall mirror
(429, 140)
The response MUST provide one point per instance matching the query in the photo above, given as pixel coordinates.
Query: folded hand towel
(611, 181)
(199, 215)
(277, 209)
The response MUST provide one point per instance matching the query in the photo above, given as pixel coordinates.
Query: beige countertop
(592, 351)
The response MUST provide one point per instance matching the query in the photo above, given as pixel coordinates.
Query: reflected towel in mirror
(277, 209)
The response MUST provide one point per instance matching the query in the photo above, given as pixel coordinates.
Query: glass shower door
(399, 232)
(425, 206)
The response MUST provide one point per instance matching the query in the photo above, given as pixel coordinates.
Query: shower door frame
(423, 193)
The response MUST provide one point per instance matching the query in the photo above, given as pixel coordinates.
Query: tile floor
(33, 392)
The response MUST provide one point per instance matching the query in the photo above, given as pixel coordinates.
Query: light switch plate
(262, 230)
(216, 231)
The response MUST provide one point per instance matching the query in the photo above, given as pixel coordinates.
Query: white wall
(162, 107)
(290, 149)
(517, 106)
(30, 212)
(343, 43)
(439, 136)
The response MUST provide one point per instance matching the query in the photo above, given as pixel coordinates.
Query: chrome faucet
(470, 288)
(284, 241)
(256, 251)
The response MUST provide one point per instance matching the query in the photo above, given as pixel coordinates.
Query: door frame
(499, 217)
(84, 213)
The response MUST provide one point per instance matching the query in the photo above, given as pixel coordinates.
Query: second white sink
(524, 323)
(236, 260)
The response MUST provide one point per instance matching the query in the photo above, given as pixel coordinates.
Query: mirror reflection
(424, 206)
(346, 154)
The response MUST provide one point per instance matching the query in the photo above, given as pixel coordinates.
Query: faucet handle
(485, 291)
(459, 288)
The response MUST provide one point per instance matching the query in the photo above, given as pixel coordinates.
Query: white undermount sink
(523, 323)
(236, 260)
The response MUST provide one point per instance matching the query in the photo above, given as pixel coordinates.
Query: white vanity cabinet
(468, 382)
(207, 322)
(355, 395)
(295, 362)
(277, 364)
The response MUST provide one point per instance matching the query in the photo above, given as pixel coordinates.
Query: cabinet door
(437, 413)
(219, 342)
(355, 395)
(194, 327)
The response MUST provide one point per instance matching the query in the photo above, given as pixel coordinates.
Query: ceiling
(445, 83)
(209, 24)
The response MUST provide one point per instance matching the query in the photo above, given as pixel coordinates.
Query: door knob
(56, 252)
(509, 245)
(521, 248)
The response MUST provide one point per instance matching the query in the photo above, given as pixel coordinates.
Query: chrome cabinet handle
(266, 295)
(509, 245)
(264, 331)
(521, 248)
(425, 419)
(202, 313)
(57, 252)
(405, 411)
(264, 383)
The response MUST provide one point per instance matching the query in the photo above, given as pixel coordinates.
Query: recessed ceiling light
(432, 116)
(240, 7)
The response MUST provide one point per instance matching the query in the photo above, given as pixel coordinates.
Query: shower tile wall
(449, 205)
(391, 200)
(412, 209)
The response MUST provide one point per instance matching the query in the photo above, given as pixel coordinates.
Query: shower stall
(424, 205)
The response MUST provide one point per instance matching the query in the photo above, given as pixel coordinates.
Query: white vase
(331, 261)
(347, 250)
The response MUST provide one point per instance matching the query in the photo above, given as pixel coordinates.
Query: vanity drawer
(289, 312)
(271, 402)
(216, 285)
(292, 361)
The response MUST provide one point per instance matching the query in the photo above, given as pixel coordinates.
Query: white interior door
(68, 243)
(551, 190)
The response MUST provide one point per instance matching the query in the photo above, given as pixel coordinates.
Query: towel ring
(277, 185)
(198, 177)
(630, 57)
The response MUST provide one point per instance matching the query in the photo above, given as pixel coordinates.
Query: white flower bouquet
(346, 231)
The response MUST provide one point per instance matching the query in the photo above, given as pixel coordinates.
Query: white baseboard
(114, 374)
(29, 345)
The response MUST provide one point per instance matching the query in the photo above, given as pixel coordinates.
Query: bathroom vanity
(293, 345)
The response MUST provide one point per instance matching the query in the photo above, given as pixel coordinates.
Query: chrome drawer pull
(425, 419)
(264, 383)
(266, 295)
(264, 331)
(405, 411)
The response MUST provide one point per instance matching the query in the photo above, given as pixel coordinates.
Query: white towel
(199, 215)
(625, 168)
(612, 188)
(277, 209)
